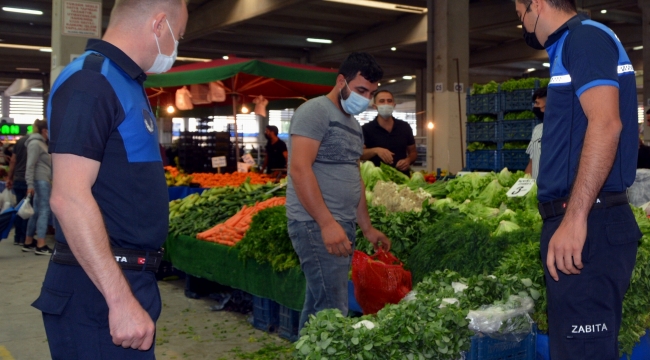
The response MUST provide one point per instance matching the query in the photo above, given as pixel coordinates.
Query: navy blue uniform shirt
(584, 54)
(105, 116)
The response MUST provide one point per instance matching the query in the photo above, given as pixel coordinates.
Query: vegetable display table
(222, 265)
(180, 192)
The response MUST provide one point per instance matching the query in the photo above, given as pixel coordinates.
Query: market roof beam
(410, 29)
(214, 15)
(217, 49)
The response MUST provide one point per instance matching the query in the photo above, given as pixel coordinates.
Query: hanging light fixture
(170, 109)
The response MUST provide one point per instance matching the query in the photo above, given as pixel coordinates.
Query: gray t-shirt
(336, 166)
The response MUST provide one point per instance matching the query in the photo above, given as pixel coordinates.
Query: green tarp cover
(215, 70)
(221, 264)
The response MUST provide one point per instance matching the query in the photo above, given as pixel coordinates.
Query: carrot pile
(207, 180)
(233, 230)
(172, 170)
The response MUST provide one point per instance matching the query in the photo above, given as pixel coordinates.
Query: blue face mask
(355, 104)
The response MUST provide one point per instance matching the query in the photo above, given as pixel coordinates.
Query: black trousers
(584, 311)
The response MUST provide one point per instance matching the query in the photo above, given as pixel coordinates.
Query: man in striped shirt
(535, 146)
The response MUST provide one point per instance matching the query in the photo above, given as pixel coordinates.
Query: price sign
(521, 188)
(242, 167)
(248, 159)
(219, 161)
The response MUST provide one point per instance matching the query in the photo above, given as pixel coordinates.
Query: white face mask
(164, 62)
(385, 111)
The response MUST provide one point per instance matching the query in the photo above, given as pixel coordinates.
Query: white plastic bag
(25, 209)
(8, 196)
(217, 93)
(509, 321)
(184, 99)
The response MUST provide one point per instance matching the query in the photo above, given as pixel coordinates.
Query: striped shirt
(535, 148)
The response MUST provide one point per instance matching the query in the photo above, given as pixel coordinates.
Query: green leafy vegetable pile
(490, 88)
(481, 118)
(523, 115)
(473, 146)
(515, 145)
(267, 240)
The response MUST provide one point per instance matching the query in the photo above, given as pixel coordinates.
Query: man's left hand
(565, 248)
(403, 165)
(377, 238)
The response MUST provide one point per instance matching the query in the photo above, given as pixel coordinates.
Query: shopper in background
(325, 193)
(276, 151)
(388, 139)
(535, 146)
(109, 192)
(643, 160)
(16, 181)
(38, 175)
(589, 237)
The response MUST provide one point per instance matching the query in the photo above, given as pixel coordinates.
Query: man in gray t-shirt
(325, 195)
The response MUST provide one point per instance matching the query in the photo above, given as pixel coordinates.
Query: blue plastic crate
(289, 324)
(516, 159)
(486, 348)
(482, 131)
(265, 314)
(517, 100)
(483, 104)
(482, 160)
(640, 352)
(516, 130)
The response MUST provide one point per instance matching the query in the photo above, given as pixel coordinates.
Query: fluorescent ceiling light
(546, 64)
(45, 49)
(531, 69)
(378, 84)
(181, 58)
(383, 5)
(36, 89)
(226, 57)
(24, 47)
(319, 41)
(407, 77)
(22, 11)
(392, 81)
(638, 47)
(393, 49)
(27, 69)
(603, 11)
(519, 26)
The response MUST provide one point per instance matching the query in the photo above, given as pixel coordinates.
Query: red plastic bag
(378, 280)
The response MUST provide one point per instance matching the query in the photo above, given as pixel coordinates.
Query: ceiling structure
(278, 29)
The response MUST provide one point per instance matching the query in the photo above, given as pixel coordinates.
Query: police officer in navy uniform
(100, 298)
(589, 238)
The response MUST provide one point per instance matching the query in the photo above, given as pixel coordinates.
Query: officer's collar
(554, 37)
(118, 57)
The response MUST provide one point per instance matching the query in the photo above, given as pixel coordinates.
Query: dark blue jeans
(326, 274)
(20, 189)
(584, 311)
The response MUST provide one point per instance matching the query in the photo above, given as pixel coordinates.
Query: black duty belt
(127, 259)
(604, 200)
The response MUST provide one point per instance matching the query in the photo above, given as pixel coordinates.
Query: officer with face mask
(590, 237)
(387, 139)
(534, 149)
(100, 298)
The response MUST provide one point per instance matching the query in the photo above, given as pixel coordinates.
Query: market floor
(187, 328)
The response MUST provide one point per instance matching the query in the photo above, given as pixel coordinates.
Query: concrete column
(448, 60)
(645, 9)
(5, 107)
(73, 23)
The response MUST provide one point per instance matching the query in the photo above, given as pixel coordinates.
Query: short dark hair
(563, 5)
(374, 97)
(648, 112)
(39, 126)
(363, 63)
(540, 93)
(273, 128)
